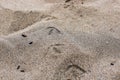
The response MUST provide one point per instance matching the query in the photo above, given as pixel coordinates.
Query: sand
(59, 40)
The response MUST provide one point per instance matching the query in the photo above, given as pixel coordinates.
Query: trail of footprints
(73, 67)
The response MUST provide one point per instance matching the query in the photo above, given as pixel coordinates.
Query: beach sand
(59, 39)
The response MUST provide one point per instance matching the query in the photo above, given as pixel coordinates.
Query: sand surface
(59, 39)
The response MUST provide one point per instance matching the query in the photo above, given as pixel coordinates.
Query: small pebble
(23, 35)
(18, 67)
(31, 43)
(22, 70)
(112, 64)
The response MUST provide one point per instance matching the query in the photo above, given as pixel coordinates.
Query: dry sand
(59, 39)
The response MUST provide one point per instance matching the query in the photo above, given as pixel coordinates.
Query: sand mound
(59, 40)
(12, 21)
